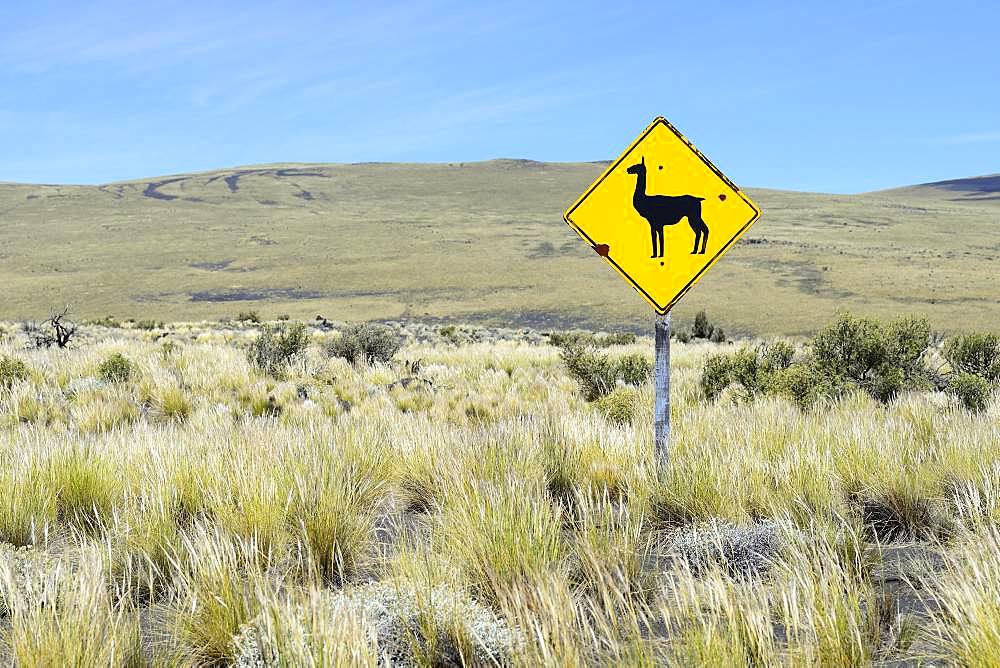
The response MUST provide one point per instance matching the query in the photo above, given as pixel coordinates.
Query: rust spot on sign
(602, 249)
(722, 198)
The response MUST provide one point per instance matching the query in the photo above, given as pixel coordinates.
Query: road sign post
(661, 383)
(631, 217)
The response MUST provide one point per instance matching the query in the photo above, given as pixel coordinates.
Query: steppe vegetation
(277, 494)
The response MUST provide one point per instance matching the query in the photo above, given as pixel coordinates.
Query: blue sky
(828, 96)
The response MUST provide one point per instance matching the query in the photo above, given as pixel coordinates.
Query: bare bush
(56, 331)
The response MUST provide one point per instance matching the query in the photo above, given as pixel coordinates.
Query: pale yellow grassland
(156, 533)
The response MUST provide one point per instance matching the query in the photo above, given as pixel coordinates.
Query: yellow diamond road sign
(662, 214)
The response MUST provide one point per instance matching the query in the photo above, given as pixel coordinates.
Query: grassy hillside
(479, 242)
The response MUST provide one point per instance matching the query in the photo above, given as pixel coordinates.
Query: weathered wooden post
(630, 216)
(661, 381)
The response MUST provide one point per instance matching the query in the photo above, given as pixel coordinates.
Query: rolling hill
(481, 242)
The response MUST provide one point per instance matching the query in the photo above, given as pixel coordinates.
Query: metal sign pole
(661, 381)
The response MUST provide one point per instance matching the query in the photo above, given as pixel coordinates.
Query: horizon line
(532, 161)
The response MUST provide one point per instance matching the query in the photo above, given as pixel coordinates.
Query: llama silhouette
(663, 210)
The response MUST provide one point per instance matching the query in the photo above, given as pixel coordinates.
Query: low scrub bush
(975, 353)
(972, 390)
(634, 369)
(365, 343)
(411, 625)
(764, 369)
(12, 371)
(620, 406)
(702, 328)
(880, 359)
(107, 321)
(799, 383)
(56, 331)
(748, 550)
(116, 368)
(274, 349)
(599, 373)
(251, 317)
(579, 338)
(716, 375)
(450, 334)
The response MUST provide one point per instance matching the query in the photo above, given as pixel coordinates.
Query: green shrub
(450, 334)
(716, 375)
(149, 324)
(972, 390)
(718, 336)
(593, 371)
(599, 373)
(777, 356)
(799, 383)
(616, 339)
(747, 371)
(252, 317)
(975, 353)
(116, 369)
(570, 339)
(747, 367)
(12, 370)
(590, 340)
(849, 347)
(365, 342)
(683, 335)
(764, 369)
(634, 369)
(274, 349)
(702, 328)
(107, 321)
(886, 384)
(907, 340)
(880, 359)
(620, 406)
